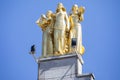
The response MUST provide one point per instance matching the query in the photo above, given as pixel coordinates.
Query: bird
(32, 49)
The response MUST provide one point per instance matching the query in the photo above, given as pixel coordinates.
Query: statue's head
(60, 6)
(49, 13)
(75, 7)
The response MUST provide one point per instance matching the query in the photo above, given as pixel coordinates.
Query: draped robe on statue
(47, 48)
(76, 31)
(59, 32)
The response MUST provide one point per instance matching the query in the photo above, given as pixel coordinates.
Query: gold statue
(58, 30)
(60, 27)
(75, 27)
(46, 23)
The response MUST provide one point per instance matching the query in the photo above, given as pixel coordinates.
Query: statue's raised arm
(42, 22)
(81, 11)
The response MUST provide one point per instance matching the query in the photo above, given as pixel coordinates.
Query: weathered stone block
(66, 67)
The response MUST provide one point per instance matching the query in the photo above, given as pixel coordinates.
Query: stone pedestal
(66, 67)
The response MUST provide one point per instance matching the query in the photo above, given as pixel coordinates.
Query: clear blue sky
(18, 31)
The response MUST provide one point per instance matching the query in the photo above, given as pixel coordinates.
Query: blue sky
(18, 31)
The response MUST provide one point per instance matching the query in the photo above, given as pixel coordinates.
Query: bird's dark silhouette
(33, 49)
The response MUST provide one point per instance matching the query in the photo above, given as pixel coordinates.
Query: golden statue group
(59, 29)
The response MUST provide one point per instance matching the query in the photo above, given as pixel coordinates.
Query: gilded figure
(60, 27)
(75, 27)
(46, 23)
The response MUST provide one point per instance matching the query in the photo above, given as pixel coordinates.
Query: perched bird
(32, 49)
